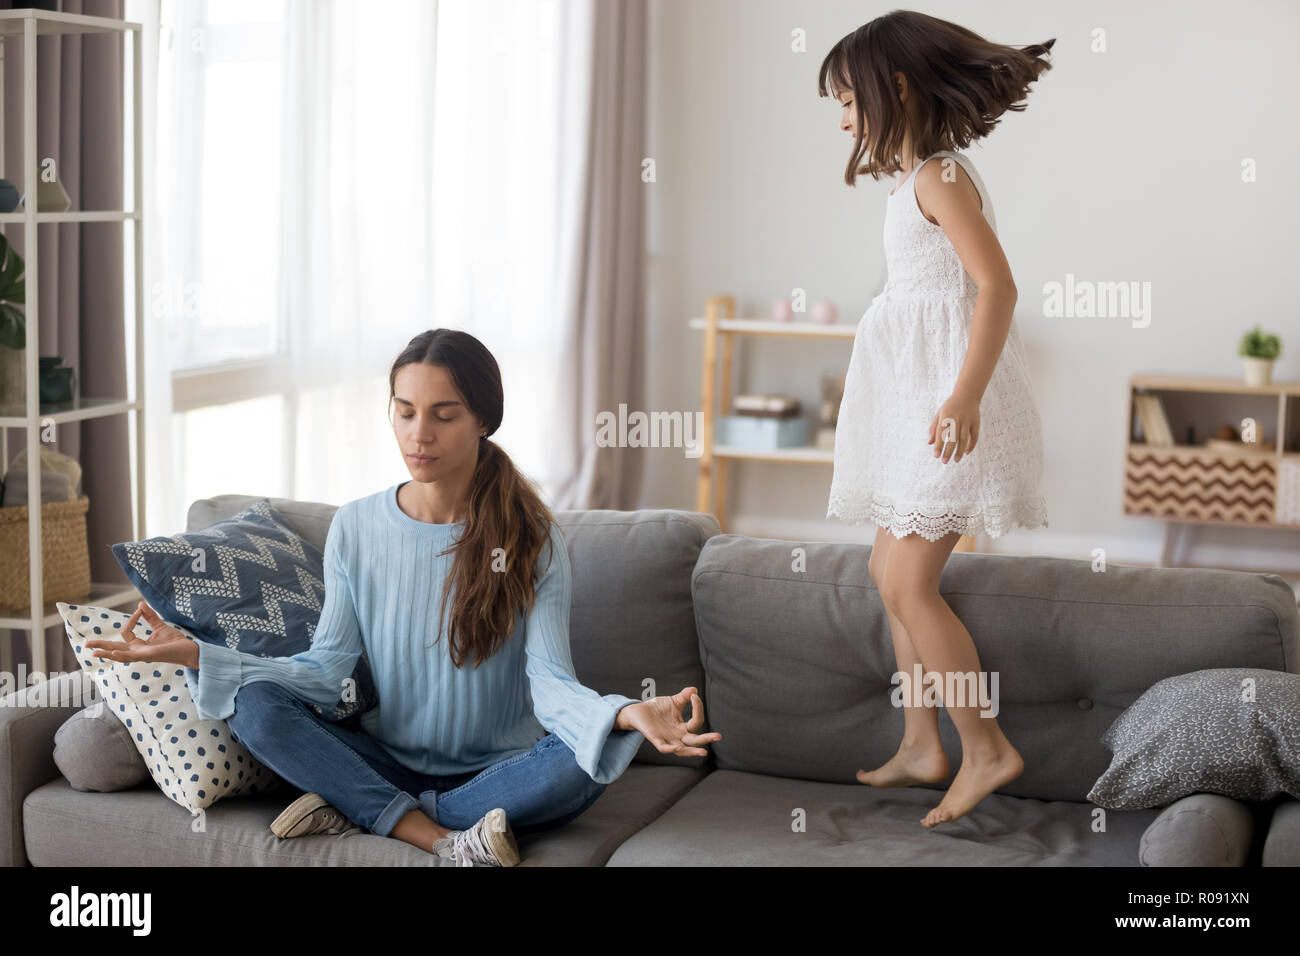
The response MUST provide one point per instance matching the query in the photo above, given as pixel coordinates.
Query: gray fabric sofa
(789, 645)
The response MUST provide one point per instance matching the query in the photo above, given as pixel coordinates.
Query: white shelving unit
(24, 26)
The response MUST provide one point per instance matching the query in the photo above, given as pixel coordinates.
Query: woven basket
(65, 564)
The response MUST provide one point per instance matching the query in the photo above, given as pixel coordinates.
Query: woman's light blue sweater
(383, 592)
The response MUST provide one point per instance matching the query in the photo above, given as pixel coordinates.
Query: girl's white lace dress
(909, 348)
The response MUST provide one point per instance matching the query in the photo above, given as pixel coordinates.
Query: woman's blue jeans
(539, 789)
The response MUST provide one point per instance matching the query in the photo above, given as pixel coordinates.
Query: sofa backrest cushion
(798, 656)
(632, 625)
(631, 619)
(310, 519)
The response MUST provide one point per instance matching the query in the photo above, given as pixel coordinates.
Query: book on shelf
(1155, 423)
(766, 406)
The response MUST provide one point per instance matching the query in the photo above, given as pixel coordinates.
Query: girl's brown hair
(961, 84)
(505, 510)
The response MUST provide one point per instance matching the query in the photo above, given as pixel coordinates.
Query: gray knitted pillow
(94, 751)
(1202, 733)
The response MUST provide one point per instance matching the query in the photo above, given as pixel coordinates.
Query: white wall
(1125, 167)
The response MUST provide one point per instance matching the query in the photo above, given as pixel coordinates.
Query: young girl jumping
(937, 368)
(457, 585)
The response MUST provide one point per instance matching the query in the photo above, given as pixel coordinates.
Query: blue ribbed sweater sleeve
(579, 716)
(316, 674)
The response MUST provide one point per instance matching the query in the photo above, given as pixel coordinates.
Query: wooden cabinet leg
(1173, 535)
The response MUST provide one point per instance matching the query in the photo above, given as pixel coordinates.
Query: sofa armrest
(29, 718)
(1282, 836)
(1201, 829)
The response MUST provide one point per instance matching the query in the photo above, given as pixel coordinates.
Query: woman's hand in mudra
(165, 645)
(659, 720)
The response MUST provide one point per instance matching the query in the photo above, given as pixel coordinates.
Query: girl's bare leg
(417, 829)
(920, 757)
(911, 588)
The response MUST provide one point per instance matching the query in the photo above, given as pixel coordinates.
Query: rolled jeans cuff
(400, 806)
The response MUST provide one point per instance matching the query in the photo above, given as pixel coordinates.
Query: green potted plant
(1258, 352)
(13, 325)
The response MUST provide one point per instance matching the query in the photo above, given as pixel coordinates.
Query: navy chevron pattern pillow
(249, 582)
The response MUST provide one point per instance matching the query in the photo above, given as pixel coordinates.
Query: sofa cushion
(1234, 731)
(636, 799)
(195, 762)
(95, 752)
(310, 520)
(631, 621)
(139, 827)
(796, 645)
(247, 582)
(744, 819)
(1203, 829)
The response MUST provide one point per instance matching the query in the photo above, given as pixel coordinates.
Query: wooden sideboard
(1189, 484)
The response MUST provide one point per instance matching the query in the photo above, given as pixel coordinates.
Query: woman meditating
(457, 585)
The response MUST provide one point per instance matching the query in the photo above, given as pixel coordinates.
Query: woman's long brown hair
(505, 509)
(961, 84)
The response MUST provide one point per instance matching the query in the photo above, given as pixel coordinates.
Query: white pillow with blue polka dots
(195, 762)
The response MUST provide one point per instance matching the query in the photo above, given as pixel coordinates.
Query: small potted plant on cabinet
(1258, 351)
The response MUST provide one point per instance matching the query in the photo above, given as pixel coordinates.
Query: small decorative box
(762, 434)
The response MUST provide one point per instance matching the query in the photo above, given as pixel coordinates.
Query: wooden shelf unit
(1197, 484)
(721, 327)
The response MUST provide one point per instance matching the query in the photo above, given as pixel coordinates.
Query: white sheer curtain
(331, 177)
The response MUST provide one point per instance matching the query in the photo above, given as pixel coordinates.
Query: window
(333, 178)
(218, 159)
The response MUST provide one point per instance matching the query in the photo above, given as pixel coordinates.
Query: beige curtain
(79, 124)
(602, 250)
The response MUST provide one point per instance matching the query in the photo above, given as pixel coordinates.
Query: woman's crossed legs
(539, 789)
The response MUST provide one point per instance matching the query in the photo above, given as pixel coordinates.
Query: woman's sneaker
(490, 842)
(310, 813)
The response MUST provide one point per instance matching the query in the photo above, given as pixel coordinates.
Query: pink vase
(782, 310)
(824, 311)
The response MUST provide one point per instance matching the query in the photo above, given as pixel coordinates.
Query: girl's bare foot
(975, 780)
(910, 766)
